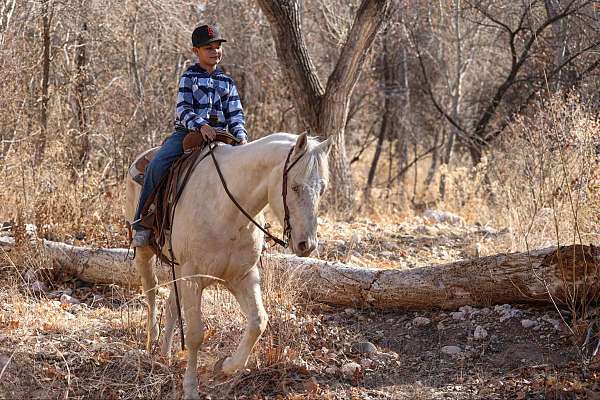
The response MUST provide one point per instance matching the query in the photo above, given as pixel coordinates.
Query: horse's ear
(324, 147)
(301, 143)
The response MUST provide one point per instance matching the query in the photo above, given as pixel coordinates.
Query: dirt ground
(69, 339)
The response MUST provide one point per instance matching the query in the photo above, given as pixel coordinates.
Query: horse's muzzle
(306, 247)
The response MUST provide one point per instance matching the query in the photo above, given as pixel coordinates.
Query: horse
(213, 241)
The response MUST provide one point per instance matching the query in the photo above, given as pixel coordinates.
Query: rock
(364, 348)
(356, 237)
(350, 311)
(331, 370)
(97, 297)
(458, 315)
(480, 333)
(420, 321)
(451, 350)
(507, 312)
(350, 369)
(467, 310)
(554, 322)
(66, 299)
(527, 323)
(68, 315)
(38, 286)
(366, 363)
(388, 254)
(391, 246)
(443, 217)
(423, 230)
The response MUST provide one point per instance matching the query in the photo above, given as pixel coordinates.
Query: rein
(287, 229)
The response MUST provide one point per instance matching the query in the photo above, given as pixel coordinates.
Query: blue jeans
(170, 151)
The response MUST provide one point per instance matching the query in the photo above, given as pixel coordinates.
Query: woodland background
(485, 109)
(488, 107)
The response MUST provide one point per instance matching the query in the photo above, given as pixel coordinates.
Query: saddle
(158, 210)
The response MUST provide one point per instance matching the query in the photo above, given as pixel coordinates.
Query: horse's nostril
(302, 246)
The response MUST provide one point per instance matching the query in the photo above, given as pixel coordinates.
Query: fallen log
(566, 274)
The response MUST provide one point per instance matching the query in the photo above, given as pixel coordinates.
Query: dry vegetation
(535, 184)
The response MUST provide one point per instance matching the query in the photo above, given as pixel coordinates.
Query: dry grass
(540, 187)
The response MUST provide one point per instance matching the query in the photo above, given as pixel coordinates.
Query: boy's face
(209, 55)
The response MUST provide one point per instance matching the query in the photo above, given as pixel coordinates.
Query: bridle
(287, 227)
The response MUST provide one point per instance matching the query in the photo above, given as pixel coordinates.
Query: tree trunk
(40, 148)
(324, 111)
(570, 274)
(80, 142)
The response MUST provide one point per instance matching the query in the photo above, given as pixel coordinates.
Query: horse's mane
(307, 163)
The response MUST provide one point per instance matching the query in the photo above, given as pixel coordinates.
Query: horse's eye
(296, 188)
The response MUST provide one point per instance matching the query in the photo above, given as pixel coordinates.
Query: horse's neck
(254, 168)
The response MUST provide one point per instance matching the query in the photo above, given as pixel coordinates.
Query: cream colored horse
(212, 238)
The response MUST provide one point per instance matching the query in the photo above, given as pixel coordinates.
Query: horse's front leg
(149, 282)
(248, 294)
(191, 299)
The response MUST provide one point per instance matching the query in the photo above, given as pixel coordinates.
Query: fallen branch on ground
(540, 276)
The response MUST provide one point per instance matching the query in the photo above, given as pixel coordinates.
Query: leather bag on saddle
(159, 209)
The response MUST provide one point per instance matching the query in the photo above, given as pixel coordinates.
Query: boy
(207, 99)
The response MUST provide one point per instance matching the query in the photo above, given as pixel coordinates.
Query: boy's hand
(208, 132)
(241, 142)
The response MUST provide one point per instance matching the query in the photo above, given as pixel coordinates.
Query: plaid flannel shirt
(202, 95)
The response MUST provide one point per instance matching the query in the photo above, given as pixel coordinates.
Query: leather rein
(287, 228)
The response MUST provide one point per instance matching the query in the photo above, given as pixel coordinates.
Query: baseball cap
(205, 34)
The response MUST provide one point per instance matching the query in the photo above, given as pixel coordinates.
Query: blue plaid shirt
(203, 95)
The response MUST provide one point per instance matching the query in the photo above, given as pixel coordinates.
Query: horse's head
(307, 178)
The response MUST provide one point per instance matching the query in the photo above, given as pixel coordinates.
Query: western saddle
(159, 209)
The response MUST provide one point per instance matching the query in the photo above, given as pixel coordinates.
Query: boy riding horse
(207, 99)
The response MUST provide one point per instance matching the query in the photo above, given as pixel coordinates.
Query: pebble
(443, 217)
(451, 350)
(68, 315)
(458, 315)
(480, 333)
(366, 363)
(66, 299)
(467, 310)
(356, 238)
(349, 369)
(527, 323)
(364, 348)
(331, 370)
(420, 321)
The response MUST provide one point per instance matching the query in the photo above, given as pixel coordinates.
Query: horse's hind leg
(171, 318)
(191, 296)
(248, 294)
(149, 282)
